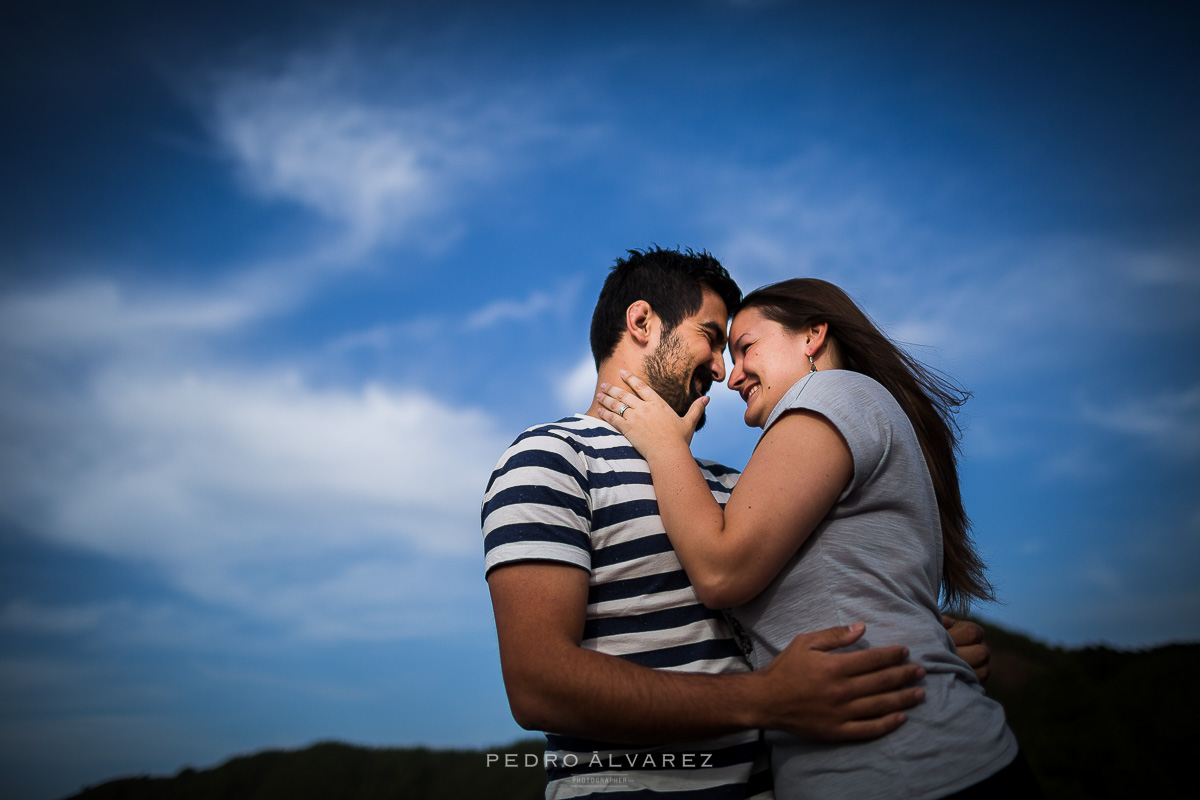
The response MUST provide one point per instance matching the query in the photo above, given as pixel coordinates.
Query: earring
(812, 365)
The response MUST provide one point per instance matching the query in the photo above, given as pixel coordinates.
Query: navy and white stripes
(577, 492)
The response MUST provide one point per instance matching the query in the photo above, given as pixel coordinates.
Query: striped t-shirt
(575, 491)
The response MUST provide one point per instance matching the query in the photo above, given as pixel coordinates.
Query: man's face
(690, 357)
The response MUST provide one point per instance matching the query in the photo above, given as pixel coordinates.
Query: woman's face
(767, 360)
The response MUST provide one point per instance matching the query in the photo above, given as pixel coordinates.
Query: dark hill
(334, 771)
(1101, 723)
(1094, 722)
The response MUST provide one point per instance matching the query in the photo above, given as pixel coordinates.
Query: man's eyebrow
(717, 331)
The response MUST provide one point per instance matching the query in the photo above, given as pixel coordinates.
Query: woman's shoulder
(834, 384)
(845, 379)
(836, 392)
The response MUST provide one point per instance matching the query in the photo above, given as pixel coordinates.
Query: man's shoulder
(573, 444)
(587, 436)
(576, 427)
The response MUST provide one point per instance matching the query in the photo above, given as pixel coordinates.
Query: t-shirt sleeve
(851, 402)
(536, 505)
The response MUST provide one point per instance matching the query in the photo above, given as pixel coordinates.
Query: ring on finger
(622, 409)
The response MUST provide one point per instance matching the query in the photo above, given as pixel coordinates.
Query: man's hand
(970, 640)
(816, 694)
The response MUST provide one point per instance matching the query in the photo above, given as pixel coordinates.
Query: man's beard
(667, 373)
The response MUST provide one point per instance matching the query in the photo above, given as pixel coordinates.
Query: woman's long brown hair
(928, 399)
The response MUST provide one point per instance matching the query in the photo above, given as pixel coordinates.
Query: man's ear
(639, 318)
(814, 339)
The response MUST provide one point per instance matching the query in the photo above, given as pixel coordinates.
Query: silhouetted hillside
(333, 771)
(1095, 723)
(1101, 723)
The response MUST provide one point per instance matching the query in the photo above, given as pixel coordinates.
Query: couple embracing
(781, 627)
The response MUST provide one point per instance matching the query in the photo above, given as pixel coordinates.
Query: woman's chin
(755, 416)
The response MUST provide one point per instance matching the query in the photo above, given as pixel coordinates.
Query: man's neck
(610, 373)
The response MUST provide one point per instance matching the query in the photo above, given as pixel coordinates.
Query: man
(603, 642)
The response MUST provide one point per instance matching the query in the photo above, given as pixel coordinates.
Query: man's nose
(718, 367)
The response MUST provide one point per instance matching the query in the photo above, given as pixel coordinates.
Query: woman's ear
(638, 321)
(814, 339)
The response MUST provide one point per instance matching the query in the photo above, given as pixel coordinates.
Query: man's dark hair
(672, 282)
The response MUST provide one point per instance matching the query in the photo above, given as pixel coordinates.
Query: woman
(849, 510)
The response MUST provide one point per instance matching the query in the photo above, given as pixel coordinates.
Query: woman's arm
(795, 476)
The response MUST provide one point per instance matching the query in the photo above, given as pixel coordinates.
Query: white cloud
(346, 511)
(351, 164)
(101, 314)
(577, 388)
(820, 215)
(116, 621)
(503, 310)
(386, 157)
(1168, 421)
(1012, 318)
(1022, 320)
(376, 596)
(1079, 464)
(1173, 270)
(29, 616)
(216, 478)
(384, 335)
(336, 511)
(811, 215)
(560, 301)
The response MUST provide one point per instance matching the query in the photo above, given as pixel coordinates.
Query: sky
(280, 282)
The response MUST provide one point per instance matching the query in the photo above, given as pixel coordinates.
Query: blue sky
(279, 282)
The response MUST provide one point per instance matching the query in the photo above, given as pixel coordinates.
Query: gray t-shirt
(877, 558)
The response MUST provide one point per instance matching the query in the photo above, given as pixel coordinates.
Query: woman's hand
(644, 418)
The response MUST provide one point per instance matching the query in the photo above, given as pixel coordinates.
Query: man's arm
(556, 685)
(970, 641)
